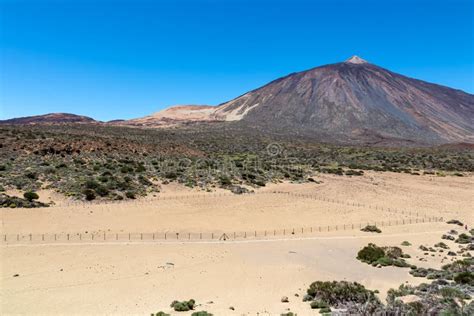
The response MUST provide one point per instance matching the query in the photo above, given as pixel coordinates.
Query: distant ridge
(51, 118)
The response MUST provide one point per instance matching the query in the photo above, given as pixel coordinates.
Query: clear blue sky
(124, 59)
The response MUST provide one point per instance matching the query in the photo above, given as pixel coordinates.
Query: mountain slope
(356, 100)
(51, 118)
(175, 115)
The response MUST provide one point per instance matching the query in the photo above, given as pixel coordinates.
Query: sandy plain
(141, 276)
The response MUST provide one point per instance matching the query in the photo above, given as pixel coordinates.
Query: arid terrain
(252, 274)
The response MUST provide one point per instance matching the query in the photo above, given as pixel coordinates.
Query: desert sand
(250, 274)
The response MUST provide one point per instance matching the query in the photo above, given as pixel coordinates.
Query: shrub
(91, 184)
(463, 239)
(455, 222)
(464, 278)
(370, 253)
(160, 313)
(30, 196)
(183, 306)
(130, 194)
(102, 190)
(318, 304)
(371, 229)
(201, 313)
(324, 310)
(406, 243)
(289, 314)
(337, 292)
(89, 194)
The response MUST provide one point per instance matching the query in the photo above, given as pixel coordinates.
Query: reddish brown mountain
(356, 100)
(51, 118)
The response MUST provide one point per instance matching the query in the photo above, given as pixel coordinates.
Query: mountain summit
(356, 60)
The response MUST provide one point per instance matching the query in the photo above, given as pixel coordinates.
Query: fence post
(165, 236)
(67, 236)
(31, 237)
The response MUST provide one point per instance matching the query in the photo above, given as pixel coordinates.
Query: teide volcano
(357, 101)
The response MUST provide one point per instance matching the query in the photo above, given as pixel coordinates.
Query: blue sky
(125, 59)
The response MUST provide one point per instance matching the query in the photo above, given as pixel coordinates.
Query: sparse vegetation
(15, 202)
(382, 256)
(342, 294)
(201, 313)
(183, 306)
(371, 229)
(106, 162)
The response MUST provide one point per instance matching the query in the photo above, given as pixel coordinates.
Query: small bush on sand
(370, 253)
(371, 229)
(337, 292)
(183, 306)
(89, 194)
(455, 222)
(160, 313)
(30, 196)
(201, 313)
(463, 239)
(406, 243)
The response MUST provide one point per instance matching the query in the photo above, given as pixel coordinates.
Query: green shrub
(383, 261)
(406, 243)
(464, 278)
(89, 194)
(183, 306)
(102, 190)
(318, 304)
(324, 310)
(201, 313)
(30, 196)
(337, 292)
(463, 239)
(370, 253)
(130, 194)
(160, 313)
(371, 229)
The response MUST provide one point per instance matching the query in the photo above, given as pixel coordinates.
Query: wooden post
(67, 236)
